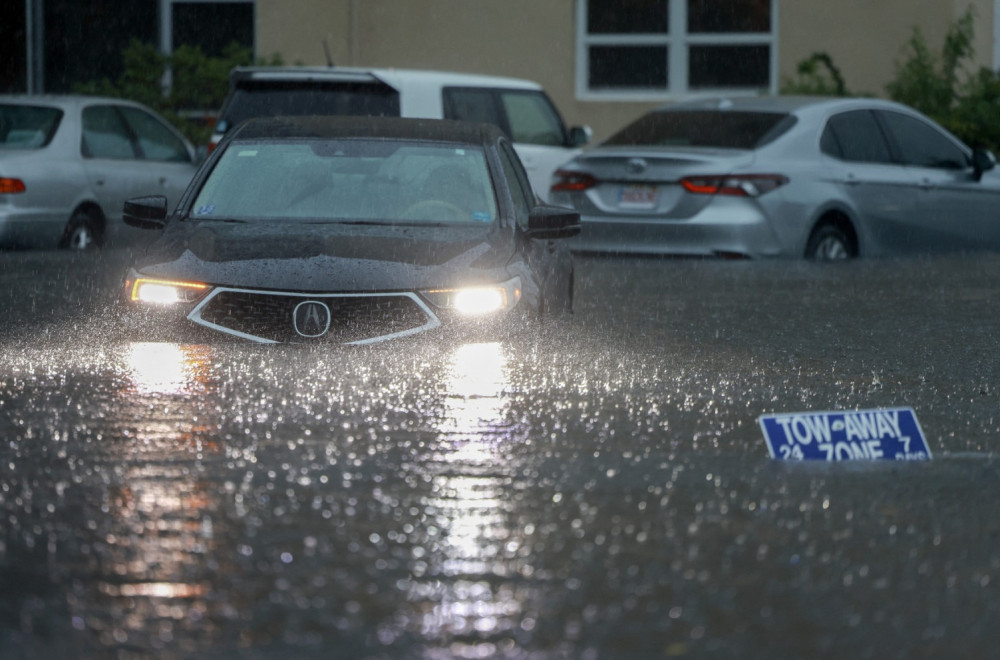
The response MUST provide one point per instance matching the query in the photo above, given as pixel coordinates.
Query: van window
(270, 98)
(528, 117)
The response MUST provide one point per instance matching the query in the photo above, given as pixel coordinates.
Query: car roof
(783, 104)
(391, 76)
(437, 130)
(63, 100)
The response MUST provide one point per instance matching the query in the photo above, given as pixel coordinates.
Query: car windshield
(724, 129)
(348, 181)
(27, 126)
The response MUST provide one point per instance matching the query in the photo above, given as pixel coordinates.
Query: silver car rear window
(725, 129)
(27, 126)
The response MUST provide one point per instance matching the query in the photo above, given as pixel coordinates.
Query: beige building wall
(536, 39)
(866, 38)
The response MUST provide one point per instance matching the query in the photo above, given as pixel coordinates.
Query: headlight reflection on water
(160, 368)
(469, 498)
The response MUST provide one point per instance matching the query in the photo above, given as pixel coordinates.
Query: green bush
(948, 88)
(816, 76)
(198, 83)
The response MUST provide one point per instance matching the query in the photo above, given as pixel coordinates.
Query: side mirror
(983, 160)
(553, 222)
(146, 212)
(579, 136)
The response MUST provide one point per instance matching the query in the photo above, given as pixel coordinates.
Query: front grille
(353, 318)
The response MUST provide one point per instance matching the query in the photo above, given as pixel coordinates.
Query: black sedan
(354, 231)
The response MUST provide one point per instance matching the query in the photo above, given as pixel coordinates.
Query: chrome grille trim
(196, 314)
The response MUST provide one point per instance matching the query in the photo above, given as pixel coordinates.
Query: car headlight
(477, 300)
(160, 291)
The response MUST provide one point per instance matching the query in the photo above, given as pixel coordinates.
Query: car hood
(329, 257)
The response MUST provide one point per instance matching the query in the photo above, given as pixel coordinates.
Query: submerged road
(600, 490)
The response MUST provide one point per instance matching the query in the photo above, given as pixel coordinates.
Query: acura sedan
(68, 163)
(352, 231)
(820, 178)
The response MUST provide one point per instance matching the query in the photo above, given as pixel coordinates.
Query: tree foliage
(816, 75)
(948, 87)
(187, 87)
(944, 85)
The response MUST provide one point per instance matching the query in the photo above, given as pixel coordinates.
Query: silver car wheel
(81, 234)
(831, 248)
(830, 243)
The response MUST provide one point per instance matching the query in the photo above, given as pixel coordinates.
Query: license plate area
(637, 196)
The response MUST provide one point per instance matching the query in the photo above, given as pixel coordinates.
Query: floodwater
(599, 488)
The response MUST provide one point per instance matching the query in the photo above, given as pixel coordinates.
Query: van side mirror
(579, 136)
(553, 222)
(146, 212)
(983, 160)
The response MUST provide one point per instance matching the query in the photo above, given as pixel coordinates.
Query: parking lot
(599, 488)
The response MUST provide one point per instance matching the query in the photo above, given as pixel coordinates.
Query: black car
(352, 230)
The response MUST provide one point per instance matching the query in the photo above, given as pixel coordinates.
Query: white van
(519, 107)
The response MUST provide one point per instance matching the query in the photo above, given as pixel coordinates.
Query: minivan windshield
(352, 180)
(722, 129)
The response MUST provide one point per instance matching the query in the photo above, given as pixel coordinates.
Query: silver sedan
(68, 163)
(820, 178)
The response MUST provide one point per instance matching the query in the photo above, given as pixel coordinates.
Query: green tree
(816, 75)
(948, 88)
(198, 84)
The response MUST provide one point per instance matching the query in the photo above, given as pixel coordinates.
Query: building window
(650, 49)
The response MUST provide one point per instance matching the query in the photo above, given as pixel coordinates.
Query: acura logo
(311, 318)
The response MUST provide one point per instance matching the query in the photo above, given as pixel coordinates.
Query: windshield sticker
(479, 216)
(892, 434)
(207, 209)
(247, 152)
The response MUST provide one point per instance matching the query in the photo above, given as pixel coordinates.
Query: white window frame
(677, 41)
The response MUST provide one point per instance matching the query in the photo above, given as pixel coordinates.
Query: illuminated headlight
(158, 291)
(477, 300)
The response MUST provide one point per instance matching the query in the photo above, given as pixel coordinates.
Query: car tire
(82, 233)
(830, 243)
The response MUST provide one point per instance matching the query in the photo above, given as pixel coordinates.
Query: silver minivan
(520, 107)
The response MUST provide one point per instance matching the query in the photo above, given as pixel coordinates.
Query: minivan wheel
(830, 243)
(81, 233)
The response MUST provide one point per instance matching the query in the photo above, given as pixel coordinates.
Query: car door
(111, 163)
(164, 156)
(877, 187)
(550, 265)
(954, 210)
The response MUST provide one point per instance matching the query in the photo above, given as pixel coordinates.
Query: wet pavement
(600, 489)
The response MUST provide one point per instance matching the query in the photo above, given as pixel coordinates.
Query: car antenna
(326, 50)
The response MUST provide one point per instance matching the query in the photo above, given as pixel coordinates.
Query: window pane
(471, 105)
(921, 144)
(729, 66)
(628, 67)
(27, 126)
(104, 134)
(855, 136)
(703, 128)
(627, 16)
(729, 16)
(156, 140)
(532, 119)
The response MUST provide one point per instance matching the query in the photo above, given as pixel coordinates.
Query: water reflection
(162, 368)
(157, 536)
(467, 495)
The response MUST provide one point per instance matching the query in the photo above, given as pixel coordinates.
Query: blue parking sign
(891, 434)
